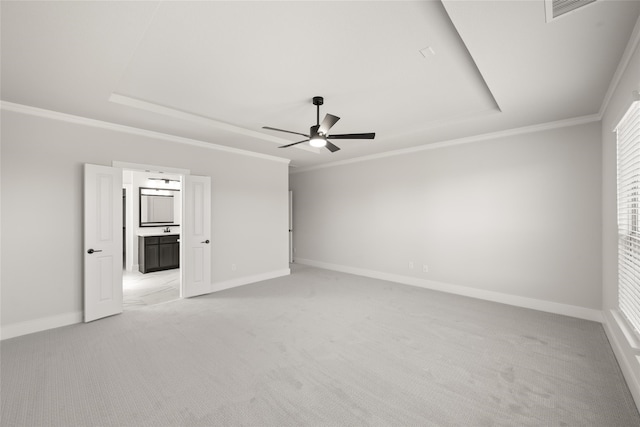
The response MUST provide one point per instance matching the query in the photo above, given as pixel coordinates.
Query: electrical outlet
(425, 268)
(410, 265)
(233, 267)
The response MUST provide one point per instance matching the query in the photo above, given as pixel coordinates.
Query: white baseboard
(624, 354)
(42, 324)
(246, 280)
(23, 328)
(518, 301)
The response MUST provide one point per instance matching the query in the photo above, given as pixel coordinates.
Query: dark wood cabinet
(157, 253)
(150, 260)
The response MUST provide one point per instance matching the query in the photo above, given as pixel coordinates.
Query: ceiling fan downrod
(318, 101)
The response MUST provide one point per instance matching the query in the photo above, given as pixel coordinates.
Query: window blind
(628, 146)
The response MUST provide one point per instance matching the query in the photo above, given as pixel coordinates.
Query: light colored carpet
(318, 348)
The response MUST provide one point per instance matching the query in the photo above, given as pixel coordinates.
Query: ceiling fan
(319, 133)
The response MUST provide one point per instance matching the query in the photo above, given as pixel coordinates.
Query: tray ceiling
(414, 72)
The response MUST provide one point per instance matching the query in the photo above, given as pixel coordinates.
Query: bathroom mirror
(159, 207)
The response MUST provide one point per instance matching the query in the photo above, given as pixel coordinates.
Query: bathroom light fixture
(166, 181)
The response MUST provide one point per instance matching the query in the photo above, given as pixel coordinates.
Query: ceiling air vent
(556, 8)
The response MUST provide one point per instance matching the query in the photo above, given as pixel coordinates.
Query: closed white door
(196, 236)
(102, 241)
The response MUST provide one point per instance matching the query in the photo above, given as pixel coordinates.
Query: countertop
(148, 233)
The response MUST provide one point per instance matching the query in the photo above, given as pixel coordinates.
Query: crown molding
(452, 142)
(70, 118)
(622, 67)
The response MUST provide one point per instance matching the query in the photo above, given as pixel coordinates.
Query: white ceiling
(218, 71)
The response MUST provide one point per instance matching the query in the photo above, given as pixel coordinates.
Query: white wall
(513, 219)
(628, 357)
(42, 217)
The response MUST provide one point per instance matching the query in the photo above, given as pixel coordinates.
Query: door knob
(206, 241)
(90, 251)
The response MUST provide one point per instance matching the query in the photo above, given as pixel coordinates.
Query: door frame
(128, 264)
(184, 174)
(140, 167)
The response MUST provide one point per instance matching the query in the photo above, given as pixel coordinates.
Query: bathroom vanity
(158, 252)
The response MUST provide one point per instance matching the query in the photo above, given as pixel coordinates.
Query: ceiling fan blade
(331, 147)
(328, 121)
(287, 131)
(294, 143)
(353, 136)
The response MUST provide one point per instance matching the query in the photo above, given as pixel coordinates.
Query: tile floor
(141, 290)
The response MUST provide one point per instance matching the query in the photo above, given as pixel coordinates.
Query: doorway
(151, 238)
(103, 236)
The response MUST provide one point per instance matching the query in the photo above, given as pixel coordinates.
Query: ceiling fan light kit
(319, 133)
(317, 139)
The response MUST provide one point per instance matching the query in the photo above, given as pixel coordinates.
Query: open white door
(290, 226)
(196, 236)
(102, 241)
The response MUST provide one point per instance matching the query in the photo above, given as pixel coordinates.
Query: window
(628, 146)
